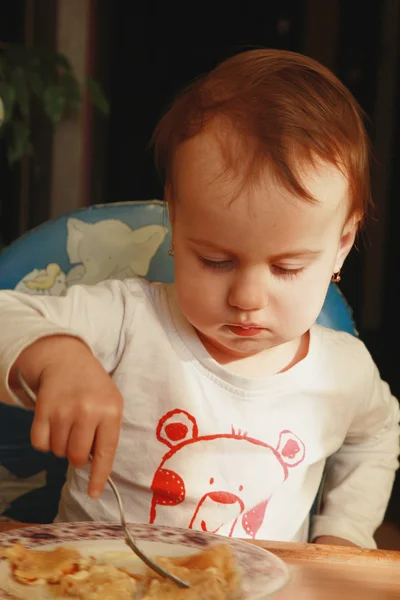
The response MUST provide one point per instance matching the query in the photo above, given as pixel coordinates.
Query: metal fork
(128, 538)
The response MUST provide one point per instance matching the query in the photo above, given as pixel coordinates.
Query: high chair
(113, 241)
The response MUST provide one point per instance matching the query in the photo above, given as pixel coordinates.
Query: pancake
(212, 575)
(35, 567)
(100, 582)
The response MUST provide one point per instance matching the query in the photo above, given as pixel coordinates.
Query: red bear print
(222, 483)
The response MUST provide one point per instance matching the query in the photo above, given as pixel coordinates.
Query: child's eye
(284, 272)
(216, 265)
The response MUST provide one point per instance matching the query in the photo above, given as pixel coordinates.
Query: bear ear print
(291, 449)
(175, 427)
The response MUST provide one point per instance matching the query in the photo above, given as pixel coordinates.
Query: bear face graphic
(223, 481)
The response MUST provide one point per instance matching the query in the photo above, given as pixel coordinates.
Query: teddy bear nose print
(223, 497)
(291, 449)
(176, 431)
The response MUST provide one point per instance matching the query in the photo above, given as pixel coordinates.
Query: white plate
(263, 573)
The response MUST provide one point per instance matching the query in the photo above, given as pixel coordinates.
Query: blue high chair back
(113, 241)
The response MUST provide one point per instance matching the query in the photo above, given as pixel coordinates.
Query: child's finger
(60, 428)
(40, 433)
(59, 439)
(80, 443)
(104, 450)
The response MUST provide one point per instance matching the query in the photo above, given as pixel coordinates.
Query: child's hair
(289, 107)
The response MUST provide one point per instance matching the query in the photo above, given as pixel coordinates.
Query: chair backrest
(113, 241)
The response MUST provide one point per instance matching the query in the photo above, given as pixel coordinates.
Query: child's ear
(347, 240)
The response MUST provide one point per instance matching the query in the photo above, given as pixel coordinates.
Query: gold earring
(336, 277)
(171, 252)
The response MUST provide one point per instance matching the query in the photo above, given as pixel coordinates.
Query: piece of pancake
(212, 575)
(35, 567)
(99, 582)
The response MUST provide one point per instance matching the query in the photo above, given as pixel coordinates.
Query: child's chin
(248, 346)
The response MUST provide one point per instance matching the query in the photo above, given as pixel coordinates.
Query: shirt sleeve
(99, 315)
(359, 477)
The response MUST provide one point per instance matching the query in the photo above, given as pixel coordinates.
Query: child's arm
(65, 348)
(332, 540)
(360, 475)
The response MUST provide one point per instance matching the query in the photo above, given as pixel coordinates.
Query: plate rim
(10, 533)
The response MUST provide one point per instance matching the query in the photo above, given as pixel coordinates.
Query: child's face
(252, 265)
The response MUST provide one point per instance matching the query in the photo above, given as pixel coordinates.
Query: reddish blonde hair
(292, 110)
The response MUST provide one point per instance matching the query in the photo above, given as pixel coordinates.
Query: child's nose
(250, 291)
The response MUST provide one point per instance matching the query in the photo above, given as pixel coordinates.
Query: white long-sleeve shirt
(204, 448)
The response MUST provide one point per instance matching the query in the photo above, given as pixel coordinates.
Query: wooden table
(337, 572)
(330, 572)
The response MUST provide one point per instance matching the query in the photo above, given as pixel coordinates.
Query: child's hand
(332, 540)
(78, 407)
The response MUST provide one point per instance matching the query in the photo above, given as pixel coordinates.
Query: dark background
(145, 55)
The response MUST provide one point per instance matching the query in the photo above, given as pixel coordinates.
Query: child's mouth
(245, 330)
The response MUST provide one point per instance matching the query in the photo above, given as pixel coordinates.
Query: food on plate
(211, 573)
(35, 567)
(99, 582)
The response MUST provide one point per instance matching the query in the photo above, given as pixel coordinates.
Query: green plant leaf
(54, 103)
(7, 95)
(71, 90)
(62, 61)
(97, 96)
(28, 73)
(21, 90)
(19, 144)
